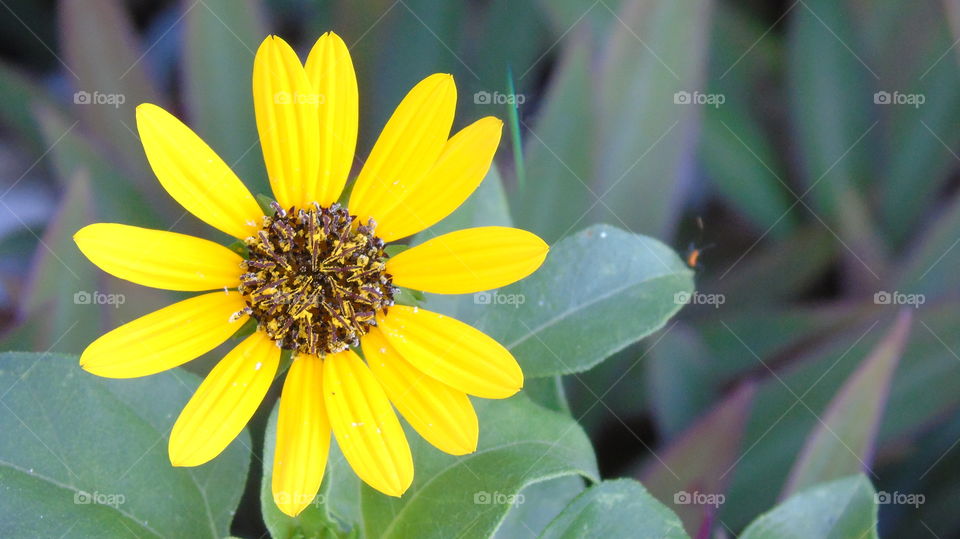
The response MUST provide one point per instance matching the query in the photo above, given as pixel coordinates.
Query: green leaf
(833, 130)
(107, 70)
(87, 456)
(118, 200)
(919, 142)
(842, 442)
(520, 444)
(692, 473)
(597, 292)
(842, 509)
(558, 155)
(619, 508)
(654, 50)
(17, 94)
(220, 40)
(737, 152)
(681, 379)
(542, 502)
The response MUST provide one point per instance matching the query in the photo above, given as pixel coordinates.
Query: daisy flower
(317, 280)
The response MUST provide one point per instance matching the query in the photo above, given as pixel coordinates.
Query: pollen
(315, 279)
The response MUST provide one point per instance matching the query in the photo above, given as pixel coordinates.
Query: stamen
(315, 279)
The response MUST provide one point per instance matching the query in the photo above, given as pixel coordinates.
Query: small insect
(692, 257)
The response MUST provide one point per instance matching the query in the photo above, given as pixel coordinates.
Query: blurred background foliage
(807, 194)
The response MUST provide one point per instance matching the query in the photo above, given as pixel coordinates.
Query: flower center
(314, 281)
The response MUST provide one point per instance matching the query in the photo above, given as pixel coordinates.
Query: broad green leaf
(597, 292)
(521, 443)
(220, 40)
(692, 473)
(547, 392)
(842, 509)
(842, 443)
(542, 502)
(558, 150)
(109, 77)
(618, 508)
(87, 456)
(654, 50)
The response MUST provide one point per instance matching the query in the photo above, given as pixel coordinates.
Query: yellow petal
(158, 258)
(367, 430)
(286, 107)
(469, 260)
(303, 437)
(165, 338)
(224, 402)
(441, 414)
(194, 175)
(408, 146)
(421, 202)
(452, 352)
(330, 71)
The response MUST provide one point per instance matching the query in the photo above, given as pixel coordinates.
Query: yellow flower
(317, 279)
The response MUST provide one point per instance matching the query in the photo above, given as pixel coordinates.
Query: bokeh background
(806, 151)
